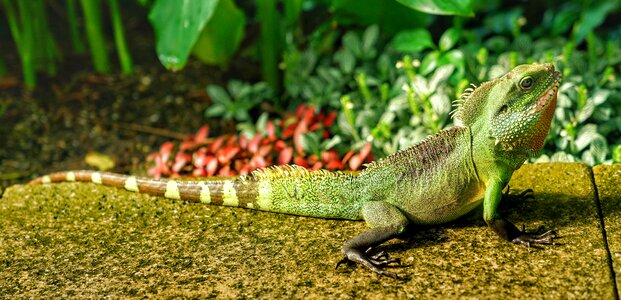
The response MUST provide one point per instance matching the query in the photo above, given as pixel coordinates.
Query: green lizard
(498, 125)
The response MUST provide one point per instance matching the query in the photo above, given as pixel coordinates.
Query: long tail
(284, 189)
(216, 192)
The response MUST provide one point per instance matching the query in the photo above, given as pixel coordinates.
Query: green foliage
(177, 27)
(217, 46)
(441, 7)
(390, 15)
(238, 101)
(33, 38)
(394, 90)
(37, 45)
(96, 41)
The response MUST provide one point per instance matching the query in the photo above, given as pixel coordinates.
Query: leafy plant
(392, 108)
(290, 140)
(37, 46)
(238, 101)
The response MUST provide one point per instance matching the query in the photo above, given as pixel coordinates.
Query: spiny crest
(456, 113)
(288, 171)
(432, 148)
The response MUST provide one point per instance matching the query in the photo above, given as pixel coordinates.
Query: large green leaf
(414, 40)
(591, 19)
(441, 7)
(391, 16)
(221, 35)
(177, 26)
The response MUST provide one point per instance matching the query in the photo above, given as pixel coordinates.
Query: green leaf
(390, 15)
(346, 61)
(449, 38)
(415, 40)
(441, 7)
(586, 135)
(215, 45)
(351, 42)
(177, 26)
(215, 110)
(593, 17)
(429, 62)
(218, 94)
(369, 38)
(564, 18)
(616, 154)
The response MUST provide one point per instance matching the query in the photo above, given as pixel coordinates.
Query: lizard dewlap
(498, 125)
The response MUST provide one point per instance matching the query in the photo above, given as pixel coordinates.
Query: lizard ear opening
(503, 109)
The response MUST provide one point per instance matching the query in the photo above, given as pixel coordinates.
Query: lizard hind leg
(386, 222)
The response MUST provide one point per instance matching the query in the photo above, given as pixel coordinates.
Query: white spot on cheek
(229, 197)
(70, 176)
(172, 190)
(96, 177)
(205, 195)
(130, 184)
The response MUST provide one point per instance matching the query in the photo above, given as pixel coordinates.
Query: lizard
(498, 125)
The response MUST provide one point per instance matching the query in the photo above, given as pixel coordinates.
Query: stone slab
(608, 182)
(82, 240)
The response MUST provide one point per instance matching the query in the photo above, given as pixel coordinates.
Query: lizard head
(515, 110)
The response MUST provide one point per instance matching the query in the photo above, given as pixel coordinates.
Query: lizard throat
(548, 97)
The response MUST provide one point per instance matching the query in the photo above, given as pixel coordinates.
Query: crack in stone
(600, 214)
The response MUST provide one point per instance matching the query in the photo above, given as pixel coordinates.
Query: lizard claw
(374, 262)
(540, 236)
(381, 258)
(523, 196)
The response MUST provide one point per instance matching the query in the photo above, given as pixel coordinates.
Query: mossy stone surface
(83, 240)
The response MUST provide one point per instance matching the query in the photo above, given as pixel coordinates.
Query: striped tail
(239, 193)
(284, 189)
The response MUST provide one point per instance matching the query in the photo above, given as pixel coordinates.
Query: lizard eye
(526, 82)
(503, 109)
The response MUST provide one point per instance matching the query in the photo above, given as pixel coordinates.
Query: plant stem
(347, 107)
(45, 49)
(269, 41)
(361, 79)
(11, 15)
(92, 16)
(26, 43)
(2, 68)
(293, 8)
(119, 37)
(74, 33)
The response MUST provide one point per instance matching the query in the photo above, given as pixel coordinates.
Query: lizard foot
(523, 196)
(375, 262)
(540, 236)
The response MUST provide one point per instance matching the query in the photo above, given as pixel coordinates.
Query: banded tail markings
(70, 176)
(229, 194)
(243, 192)
(205, 195)
(96, 177)
(172, 190)
(131, 184)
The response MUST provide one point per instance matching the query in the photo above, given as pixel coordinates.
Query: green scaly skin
(498, 125)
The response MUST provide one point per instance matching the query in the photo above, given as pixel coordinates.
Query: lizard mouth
(548, 96)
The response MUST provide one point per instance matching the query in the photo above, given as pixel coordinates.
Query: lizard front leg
(504, 228)
(386, 222)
